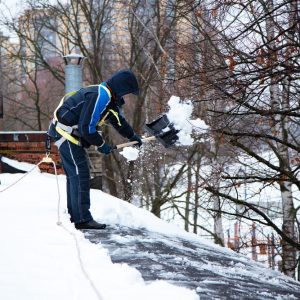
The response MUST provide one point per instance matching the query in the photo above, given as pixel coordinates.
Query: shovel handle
(150, 138)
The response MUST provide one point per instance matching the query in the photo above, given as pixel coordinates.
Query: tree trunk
(288, 227)
(128, 191)
(156, 205)
(218, 226)
(197, 183)
(188, 199)
(108, 173)
(280, 101)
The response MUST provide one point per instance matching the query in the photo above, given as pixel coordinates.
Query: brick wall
(28, 147)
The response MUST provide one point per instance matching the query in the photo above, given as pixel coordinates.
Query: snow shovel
(161, 129)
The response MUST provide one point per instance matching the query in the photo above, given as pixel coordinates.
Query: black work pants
(75, 164)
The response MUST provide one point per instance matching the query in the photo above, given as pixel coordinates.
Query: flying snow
(130, 153)
(199, 125)
(180, 115)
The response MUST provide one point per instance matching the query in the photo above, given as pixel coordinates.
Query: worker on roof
(74, 127)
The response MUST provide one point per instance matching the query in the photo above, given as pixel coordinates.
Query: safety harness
(71, 132)
(65, 131)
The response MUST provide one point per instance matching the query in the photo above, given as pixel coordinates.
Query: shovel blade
(163, 130)
(157, 126)
(168, 138)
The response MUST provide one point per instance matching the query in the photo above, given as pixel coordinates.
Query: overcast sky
(14, 6)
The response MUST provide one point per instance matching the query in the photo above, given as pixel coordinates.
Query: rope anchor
(47, 159)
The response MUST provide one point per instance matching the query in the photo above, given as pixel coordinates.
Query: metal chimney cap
(74, 59)
(74, 55)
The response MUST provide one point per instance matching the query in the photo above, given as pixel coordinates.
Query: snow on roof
(40, 259)
(22, 166)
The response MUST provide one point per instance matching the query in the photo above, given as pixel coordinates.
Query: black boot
(90, 225)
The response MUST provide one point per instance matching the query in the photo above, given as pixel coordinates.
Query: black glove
(105, 149)
(137, 138)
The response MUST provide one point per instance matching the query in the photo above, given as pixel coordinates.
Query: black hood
(122, 83)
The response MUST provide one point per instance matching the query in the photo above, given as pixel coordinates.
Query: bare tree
(256, 85)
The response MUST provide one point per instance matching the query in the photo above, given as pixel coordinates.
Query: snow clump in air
(180, 115)
(130, 153)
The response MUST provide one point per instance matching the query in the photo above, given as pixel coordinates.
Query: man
(74, 128)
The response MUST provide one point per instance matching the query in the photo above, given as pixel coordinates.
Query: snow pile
(180, 115)
(40, 260)
(130, 153)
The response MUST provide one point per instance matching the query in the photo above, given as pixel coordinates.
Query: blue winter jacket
(90, 105)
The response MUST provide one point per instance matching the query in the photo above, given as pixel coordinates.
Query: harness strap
(64, 127)
(68, 136)
(59, 142)
(116, 115)
(61, 103)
